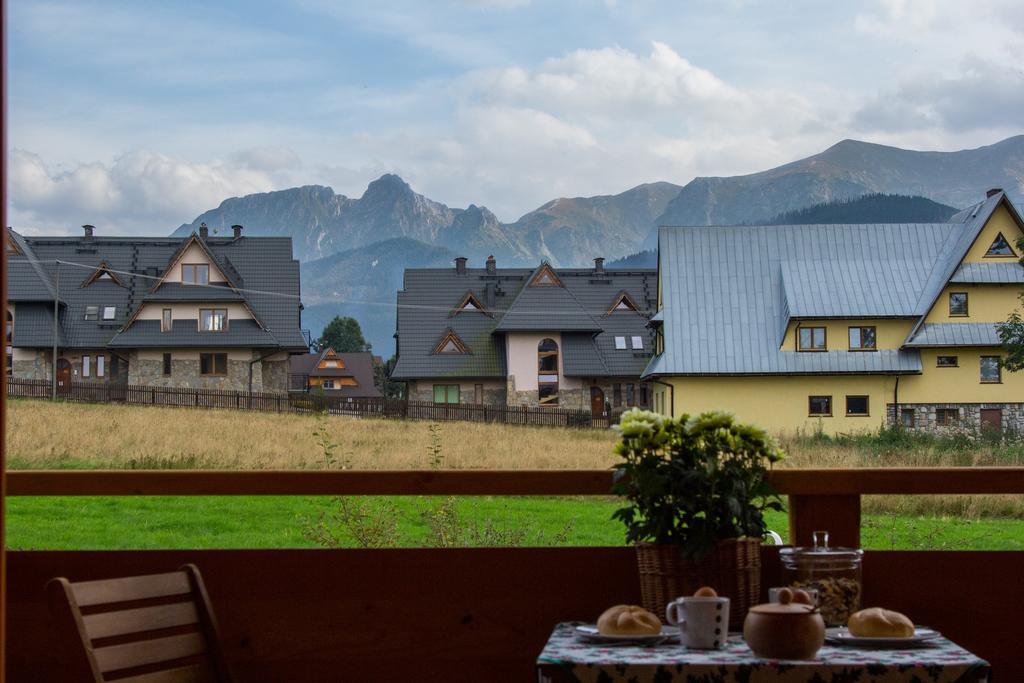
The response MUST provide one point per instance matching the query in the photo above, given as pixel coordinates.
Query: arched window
(547, 372)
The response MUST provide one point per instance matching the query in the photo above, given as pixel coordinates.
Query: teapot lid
(785, 605)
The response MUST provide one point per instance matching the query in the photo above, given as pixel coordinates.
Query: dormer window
(545, 277)
(1000, 247)
(812, 339)
(450, 343)
(103, 273)
(623, 302)
(470, 304)
(195, 273)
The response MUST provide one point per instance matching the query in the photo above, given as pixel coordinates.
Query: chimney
(204, 232)
(237, 229)
(492, 265)
(88, 231)
(460, 265)
(993, 191)
(599, 265)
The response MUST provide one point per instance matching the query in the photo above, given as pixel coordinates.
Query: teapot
(787, 629)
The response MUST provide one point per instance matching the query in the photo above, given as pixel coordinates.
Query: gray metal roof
(578, 311)
(185, 333)
(955, 334)
(989, 273)
(854, 288)
(729, 292)
(264, 264)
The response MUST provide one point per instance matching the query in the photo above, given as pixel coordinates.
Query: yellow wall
(961, 384)
(1001, 221)
(986, 303)
(780, 404)
(338, 381)
(890, 334)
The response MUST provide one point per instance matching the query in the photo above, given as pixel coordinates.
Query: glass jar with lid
(833, 571)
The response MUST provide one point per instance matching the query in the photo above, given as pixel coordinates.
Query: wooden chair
(141, 629)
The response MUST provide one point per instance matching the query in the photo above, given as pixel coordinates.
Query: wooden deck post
(839, 515)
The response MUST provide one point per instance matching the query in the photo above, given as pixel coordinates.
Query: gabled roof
(622, 303)
(729, 292)
(424, 308)
(470, 303)
(266, 263)
(544, 305)
(358, 366)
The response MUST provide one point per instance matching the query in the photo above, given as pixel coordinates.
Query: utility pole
(56, 328)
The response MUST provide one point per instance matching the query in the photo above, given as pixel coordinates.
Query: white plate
(590, 632)
(839, 635)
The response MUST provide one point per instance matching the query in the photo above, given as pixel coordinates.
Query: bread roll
(876, 622)
(628, 620)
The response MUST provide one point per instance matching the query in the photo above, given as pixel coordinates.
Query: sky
(137, 116)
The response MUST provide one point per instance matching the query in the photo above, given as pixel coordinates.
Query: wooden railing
(466, 613)
(818, 498)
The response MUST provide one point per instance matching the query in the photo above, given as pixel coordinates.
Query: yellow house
(842, 328)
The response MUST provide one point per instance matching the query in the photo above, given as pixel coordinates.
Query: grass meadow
(46, 435)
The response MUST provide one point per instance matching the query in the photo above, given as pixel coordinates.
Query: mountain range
(354, 249)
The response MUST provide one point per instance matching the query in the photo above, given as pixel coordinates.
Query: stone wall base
(923, 416)
(185, 374)
(423, 392)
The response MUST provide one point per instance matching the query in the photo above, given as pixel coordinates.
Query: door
(596, 401)
(63, 376)
(992, 418)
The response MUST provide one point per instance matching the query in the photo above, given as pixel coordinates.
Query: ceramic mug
(703, 622)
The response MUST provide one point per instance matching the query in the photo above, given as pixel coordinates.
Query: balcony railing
(483, 613)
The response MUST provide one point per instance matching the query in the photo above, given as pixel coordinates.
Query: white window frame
(112, 310)
(328, 384)
(86, 366)
(101, 365)
(637, 342)
(620, 343)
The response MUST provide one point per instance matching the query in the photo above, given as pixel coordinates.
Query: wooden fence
(297, 402)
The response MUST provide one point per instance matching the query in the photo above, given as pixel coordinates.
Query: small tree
(342, 334)
(1011, 334)
(382, 377)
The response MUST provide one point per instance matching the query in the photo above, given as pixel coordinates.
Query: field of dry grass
(44, 434)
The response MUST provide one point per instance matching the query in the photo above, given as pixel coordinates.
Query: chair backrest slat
(145, 652)
(110, 624)
(142, 629)
(91, 593)
(196, 673)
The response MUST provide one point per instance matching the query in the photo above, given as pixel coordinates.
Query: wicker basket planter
(733, 569)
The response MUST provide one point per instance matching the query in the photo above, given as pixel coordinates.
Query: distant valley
(354, 250)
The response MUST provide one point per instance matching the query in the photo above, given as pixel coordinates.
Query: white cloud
(142, 191)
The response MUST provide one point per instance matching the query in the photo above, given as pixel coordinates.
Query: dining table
(569, 656)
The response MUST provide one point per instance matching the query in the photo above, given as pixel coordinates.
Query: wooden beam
(818, 482)
(310, 482)
(838, 515)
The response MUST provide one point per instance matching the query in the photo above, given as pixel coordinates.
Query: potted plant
(697, 489)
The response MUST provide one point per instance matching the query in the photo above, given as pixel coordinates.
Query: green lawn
(144, 522)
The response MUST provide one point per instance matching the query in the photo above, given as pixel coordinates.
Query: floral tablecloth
(572, 659)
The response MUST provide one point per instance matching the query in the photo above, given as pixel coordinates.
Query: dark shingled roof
(262, 264)
(359, 366)
(579, 311)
